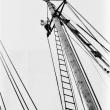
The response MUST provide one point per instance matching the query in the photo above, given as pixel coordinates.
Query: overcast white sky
(25, 41)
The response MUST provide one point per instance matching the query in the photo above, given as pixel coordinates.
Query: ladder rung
(57, 40)
(61, 59)
(65, 76)
(65, 82)
(57, 37)
(63, 70)
(69, 109)
(59, 49)
(65, 79)
(62, 64)
(67, 88)
(58, 44)
(69, 92)
(68, 95)
(70, 102)
(60, 54)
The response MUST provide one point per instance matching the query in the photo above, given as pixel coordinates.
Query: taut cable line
(14, 81)
(87, 22)
(3, 101)
(19, 77)
(1, 58)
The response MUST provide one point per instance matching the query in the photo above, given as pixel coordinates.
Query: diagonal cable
(3, 101)
(88, 22)
(19, 77)
(1, 58)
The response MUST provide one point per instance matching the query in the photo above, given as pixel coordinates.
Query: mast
(83, 84)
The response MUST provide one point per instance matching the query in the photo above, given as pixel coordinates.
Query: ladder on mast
(68, 92)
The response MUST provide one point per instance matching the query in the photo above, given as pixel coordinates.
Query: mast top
(54, 0)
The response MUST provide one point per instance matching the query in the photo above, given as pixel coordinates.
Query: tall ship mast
(73, 45)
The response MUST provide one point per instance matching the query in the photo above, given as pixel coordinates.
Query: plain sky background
(26, 43)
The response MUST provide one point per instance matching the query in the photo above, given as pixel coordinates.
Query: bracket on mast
(57, 13)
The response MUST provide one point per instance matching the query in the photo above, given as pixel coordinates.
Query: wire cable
(19, 76)
(92, 56)
(88, 22)
(15, 82)
(86, 77)
(87, 54)
(71, 27)
(3, 101)
(106, 50)
(12, 83)
(90, 33)
(80, 19)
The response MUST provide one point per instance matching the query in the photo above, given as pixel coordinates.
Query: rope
(80, 20)
(19, 76)
(89, 83)
(91, 35)
(87, 54)
(70, 26)
(2, 101)
(106, 50)
(86, 78)
(88, 22)
(12, 82)
(76, 42)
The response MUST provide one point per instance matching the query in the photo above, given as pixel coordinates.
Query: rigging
(19, 76)
(81, 77)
